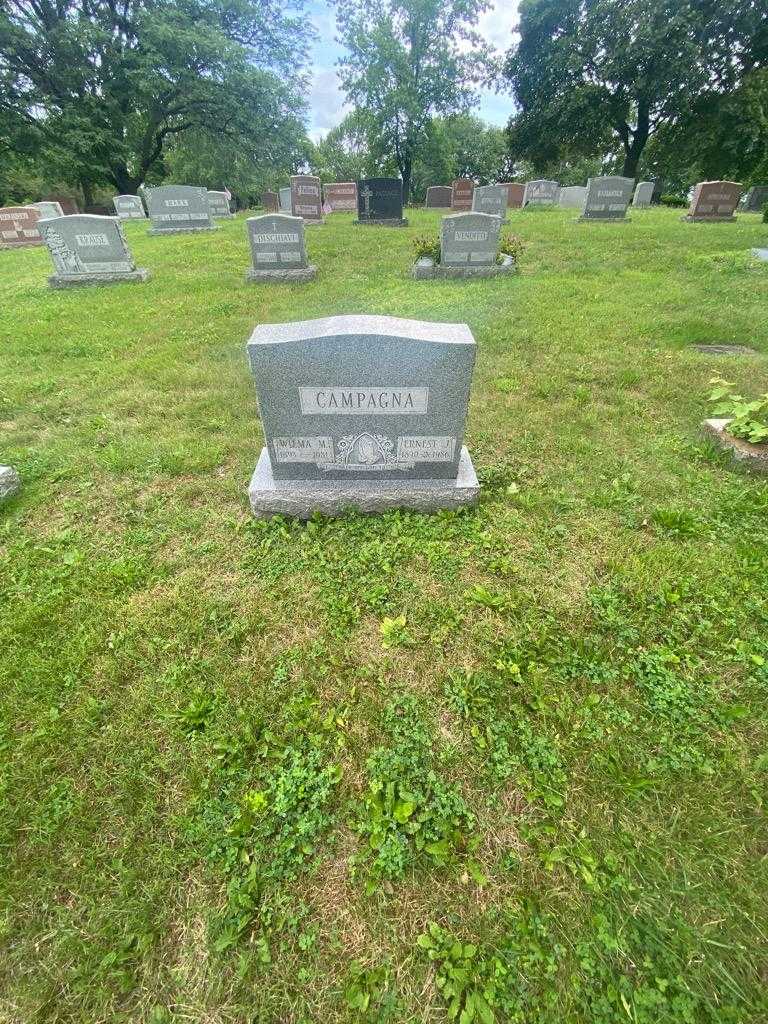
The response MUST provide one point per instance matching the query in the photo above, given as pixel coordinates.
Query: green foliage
(467, 981)
(749, 419)
(511, 245)
(427, 245)
(675, 201)
(765, 213)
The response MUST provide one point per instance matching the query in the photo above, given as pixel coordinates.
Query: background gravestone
(755, 199)
(515, 194)
(177, 209)
(643, 195)
(48, 208)
(341, 196)
(380, 201)
(714, 201)
(270, 201)
(469, 240)
(608, 197)
(306, 198)
(18, 226)
(541, 192)
(658, 190)
(88, 249)
(285, 200)
(461, 194)
(572, 197)
(439, 197)
(67, 203)
(219, 205)
(362, 411)
(278, 249)
(490, 199)
(129, 207)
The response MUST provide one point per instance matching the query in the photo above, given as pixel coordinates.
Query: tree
(409, 61)
(461, 146)
(606, 74)
(105, 84)
(349, 151)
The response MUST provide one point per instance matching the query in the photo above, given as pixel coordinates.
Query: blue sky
(326, 99)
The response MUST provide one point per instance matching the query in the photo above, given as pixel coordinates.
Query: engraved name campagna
(382, 401)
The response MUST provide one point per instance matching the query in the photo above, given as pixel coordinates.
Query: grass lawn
(505, 763)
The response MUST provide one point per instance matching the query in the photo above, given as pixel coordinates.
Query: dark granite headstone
(439, 197)
(380, 201)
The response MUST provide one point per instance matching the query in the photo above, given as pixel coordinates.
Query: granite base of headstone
(753, 457)
(278, 249)
(179, 209)
(88, 249)
(10, 482)
(362, 413)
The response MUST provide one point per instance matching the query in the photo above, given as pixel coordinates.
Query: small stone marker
(177, 209)
(469, 243)
(755, 199)
(461, 194)
(541, 192)
(724, 350)
(572, 197)
(270, 201)
(341, 196)
(439, 197)
(10, 482)
(761, 254)
(219, 205)
(751, 456)
(363, 412)
(285, 200)
(643, 196)
(278, 249)
(380, 201)
(490, 199)
(714, 201)
(48, 208)
(88, 249)
(515, 194)
(608, 197)
(306, 198)
(18, 226)
(129, 207)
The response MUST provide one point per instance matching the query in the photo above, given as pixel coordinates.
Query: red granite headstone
(515, 193)
(714, 200)
(439, 197)
(341, 195)
(18, 226)
(270, 201)
(306, 198)
(463, 190)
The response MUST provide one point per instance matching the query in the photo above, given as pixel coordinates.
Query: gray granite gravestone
(643, 195)
(88, 249)
(278, 249)
(380, 201)
(363, 412)
(341, 196)
(285, 200)
(541, 192)
(219, 205)
(515, 194)
(178, 209)
(572, 197)
(48, 208)
(67, 203)
(754, 199)
(270, 201)
(469, 244)
(129, 207)
(306, 198)
(608, 197)
(462, 190)
(714, 201)
(439, 197)
(490, 199)
(18, 227)
(10, 482)
(658, 190)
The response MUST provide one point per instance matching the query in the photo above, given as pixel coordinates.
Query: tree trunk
(87, 190)
(125, 182)
(407, 171)
(634, 150)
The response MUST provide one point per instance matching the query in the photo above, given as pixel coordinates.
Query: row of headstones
(375, 200)
(128, 207)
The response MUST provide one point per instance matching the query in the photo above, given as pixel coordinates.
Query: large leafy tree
(462, 145)
(104, 84)
(408, 61)
(349, 151)
(594, 75)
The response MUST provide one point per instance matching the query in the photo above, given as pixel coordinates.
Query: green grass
(244, 767)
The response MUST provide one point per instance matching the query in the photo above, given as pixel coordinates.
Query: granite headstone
(439, 197)
(270, 201)
(363, 412)
(219, 205)
(469, 239)
(608, 197)
(10, 482)
(48, 208)
(380, 201)
(129, 207)
(490, 199)
(18, 226)
(306, 198)
(515, 194)
(461, 194)
(67, 203)
(643, 195)
(541, 192)
(714, 201)
(285, 200)
(278, 249)
(572, 197)
(341, 196)
(755, 199)
(177, 209)
(88, 249)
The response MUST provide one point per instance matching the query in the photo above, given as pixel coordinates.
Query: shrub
(749, 420)
(511, 245)
(668, 199)
(765, 213)
(427, 245)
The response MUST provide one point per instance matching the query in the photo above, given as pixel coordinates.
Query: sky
(326, 100)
